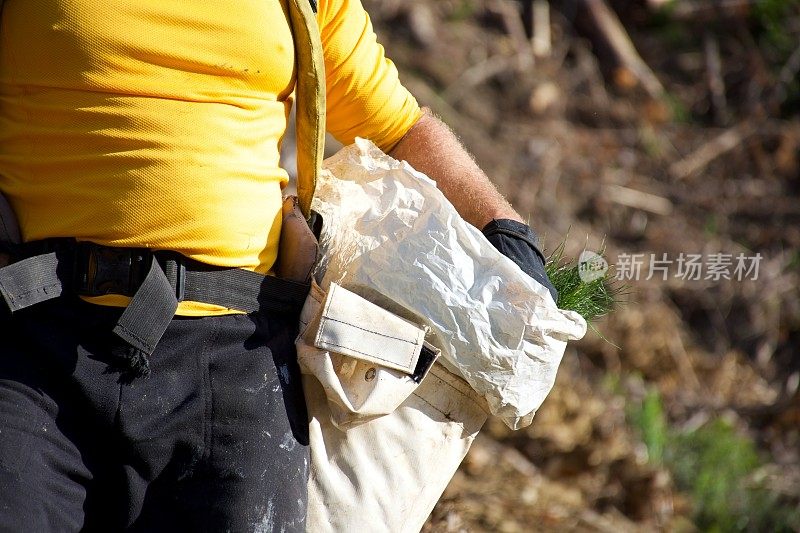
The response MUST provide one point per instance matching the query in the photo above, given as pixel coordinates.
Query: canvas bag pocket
(387, 475)
(368, 360)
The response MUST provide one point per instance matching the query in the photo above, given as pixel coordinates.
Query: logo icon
(591, 266)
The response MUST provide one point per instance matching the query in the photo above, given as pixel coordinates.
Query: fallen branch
(590, 70)
(787, 74)
(716, 85)
(610, 38)
(541, 40)
(716, 147)
(637, 199)
(703, 11)
(684, 363)
(422, 24)
(515, 28)
(477, 74)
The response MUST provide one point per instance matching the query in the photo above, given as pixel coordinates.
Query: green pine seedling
(591, 300)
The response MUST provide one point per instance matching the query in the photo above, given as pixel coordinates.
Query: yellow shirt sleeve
(364, 95)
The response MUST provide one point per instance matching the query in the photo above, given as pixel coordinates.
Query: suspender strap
(310, 99)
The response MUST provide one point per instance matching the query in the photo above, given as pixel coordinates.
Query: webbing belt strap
(152, 307)
(149, 312)
(45, 276)
(30, 281)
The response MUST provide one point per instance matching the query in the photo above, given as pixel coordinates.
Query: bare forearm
(432, 148)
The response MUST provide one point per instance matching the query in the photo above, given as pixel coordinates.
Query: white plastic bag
(390, 236)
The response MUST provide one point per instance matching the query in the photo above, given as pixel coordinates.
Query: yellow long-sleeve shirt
(157, 123)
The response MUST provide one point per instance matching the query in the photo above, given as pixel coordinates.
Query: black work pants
(215, 439)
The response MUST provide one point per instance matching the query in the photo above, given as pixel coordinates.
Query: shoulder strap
(310, 98)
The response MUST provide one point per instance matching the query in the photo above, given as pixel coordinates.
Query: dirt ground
(580, 146)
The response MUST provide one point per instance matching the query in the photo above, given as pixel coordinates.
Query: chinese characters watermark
(689, 267)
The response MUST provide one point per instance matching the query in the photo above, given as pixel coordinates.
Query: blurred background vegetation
(637, 127)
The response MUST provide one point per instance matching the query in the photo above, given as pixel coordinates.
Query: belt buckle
(105, 270)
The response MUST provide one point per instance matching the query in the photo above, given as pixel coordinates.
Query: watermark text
(686, 266)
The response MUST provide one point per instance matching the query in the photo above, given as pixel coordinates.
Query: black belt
(155, 280)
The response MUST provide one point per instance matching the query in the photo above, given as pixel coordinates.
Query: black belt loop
(175, 270)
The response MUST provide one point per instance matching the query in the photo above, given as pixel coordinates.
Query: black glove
(518, 242)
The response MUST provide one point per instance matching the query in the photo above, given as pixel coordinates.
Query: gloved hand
(518, 242)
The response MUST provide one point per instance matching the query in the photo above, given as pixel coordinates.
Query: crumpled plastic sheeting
(392, 237)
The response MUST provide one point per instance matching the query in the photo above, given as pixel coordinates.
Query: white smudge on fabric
(264, 525)
(288, 443)
(284, 370)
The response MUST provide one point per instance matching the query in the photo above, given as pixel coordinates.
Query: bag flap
(351, 325)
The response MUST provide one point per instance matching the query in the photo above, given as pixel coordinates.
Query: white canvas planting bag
(384, 441)
(402, 280)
